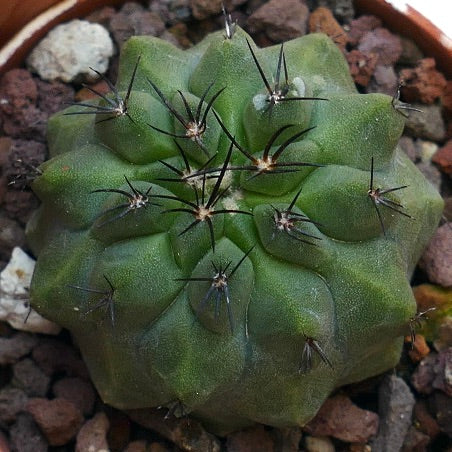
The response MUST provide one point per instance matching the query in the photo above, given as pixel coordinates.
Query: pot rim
(431, 40)
(402, 18)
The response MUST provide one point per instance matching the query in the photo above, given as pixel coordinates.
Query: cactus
(231, 229)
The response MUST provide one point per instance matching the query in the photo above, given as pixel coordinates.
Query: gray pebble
(431, 173)
(428, 125)
(25, 436)
(13, 348)
(12, 402)
(30, 378)
(395, 402)
(408, 146)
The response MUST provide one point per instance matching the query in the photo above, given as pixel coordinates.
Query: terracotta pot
(409, 22)
(15, 14)
(24, 22)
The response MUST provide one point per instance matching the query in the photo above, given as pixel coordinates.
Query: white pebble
(70, 49)
(15, 282)
(319, 444)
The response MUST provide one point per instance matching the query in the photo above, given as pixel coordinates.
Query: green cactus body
(192, 268)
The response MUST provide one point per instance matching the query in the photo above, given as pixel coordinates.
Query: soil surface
(47, 401)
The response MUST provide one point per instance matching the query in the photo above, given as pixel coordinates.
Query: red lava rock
(53, 356)
(446, 99)
(443, 409)
(250, 440)
(448, 134)
(19, 205)
(415, 441)
(322, 20)
(24, 157)
(262, 40)
(423, 376)
(437, 258)
(423, 83)
(93, 434)
(434, 372)
(425, 422)
(443, 371)
(383, 43)
(419, 349)
(18, 91)
(443, 158)
(5, 144)
(16, 346)
(53, 96)
(101, 16)
(80, 392)
(24, 435)
(12, 402)
(28, 123)
(133, 20)
(361, 66)
(58, 419)
(281, 20)
(18, 110)
(359, 27)
(202, 9)
(340, 418)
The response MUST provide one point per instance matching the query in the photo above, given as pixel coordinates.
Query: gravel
(46, 397)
